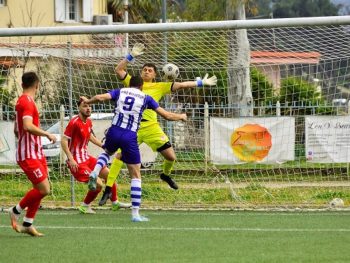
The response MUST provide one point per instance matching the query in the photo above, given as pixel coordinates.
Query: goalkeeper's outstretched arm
(137, 50)
(196, 83)
(120, 69)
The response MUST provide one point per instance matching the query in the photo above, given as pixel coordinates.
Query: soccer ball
(336, 202)
(171, 71)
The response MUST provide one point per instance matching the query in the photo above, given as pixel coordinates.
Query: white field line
(191, 213)
(188, 229)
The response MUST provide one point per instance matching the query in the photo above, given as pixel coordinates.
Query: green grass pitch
(181, 236)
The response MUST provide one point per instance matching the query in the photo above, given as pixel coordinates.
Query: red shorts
(36, 170)
(84, 170)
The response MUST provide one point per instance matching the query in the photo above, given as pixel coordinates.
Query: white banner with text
(257, 140)
(327, 139)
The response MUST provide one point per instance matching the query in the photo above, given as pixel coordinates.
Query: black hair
(150, 65)
(29, 79)
(136, 82)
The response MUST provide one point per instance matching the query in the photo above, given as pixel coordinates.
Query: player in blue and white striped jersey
(129, 106)
(130, 103)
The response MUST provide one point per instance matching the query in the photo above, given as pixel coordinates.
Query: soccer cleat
(92, 181)
(139, 219)
(119, 205)
(14, 218)
(167, 179)
(106, 195)
(83, 209)
(29, 230)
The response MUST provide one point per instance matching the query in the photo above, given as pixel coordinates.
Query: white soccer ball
(171, 71)
(336, 202)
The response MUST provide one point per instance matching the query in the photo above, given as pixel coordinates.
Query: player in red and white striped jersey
(29, 155)
(74, 143)
(78, 132)
(29, 145)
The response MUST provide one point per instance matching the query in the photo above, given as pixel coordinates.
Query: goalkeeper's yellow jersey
(154, 89)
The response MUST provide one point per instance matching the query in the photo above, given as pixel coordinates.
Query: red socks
(114, 196)
(31, 200)
(91, 195)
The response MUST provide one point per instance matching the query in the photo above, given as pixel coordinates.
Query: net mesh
(295, 72)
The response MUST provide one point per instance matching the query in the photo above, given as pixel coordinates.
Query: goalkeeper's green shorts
(152, 135)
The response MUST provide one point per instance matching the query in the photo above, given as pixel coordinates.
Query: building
(35, 13)
(271, 63)
(27, 53)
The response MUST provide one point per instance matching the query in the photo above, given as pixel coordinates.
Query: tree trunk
(238, 83)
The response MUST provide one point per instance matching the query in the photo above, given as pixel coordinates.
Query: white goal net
(274, 131)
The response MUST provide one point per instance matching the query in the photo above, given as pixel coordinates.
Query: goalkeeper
(150, 131)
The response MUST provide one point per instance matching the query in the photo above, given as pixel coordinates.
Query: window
(67, 10)
(72, 13)
(73, 10)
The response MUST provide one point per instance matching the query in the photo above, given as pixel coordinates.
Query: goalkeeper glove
(136, 51)
(206, 81)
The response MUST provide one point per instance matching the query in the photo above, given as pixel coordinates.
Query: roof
(9, 61)
(280, 57)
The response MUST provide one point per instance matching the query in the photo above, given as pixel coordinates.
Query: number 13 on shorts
(38, 173)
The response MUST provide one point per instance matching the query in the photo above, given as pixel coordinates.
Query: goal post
(289, 151)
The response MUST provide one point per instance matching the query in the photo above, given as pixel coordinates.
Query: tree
(204, 10)
(263, 8)
(298, 92)
(6, 98)
(238, 83)
(208, 10)
(262, 89)
(145, 11)
(142, 11)
(304, 8)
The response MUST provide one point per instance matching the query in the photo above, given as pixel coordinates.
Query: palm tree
(140, 11)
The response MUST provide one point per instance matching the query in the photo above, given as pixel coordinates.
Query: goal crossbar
(182, 26)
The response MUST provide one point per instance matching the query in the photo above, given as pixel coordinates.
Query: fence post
(70, 97)
(261, 109)
(348, 164)
(278, 108)
(206, 137)
(61, 134)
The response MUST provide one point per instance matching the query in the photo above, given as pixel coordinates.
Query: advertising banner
(257, 140)
(7, 143)
(327, 139)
